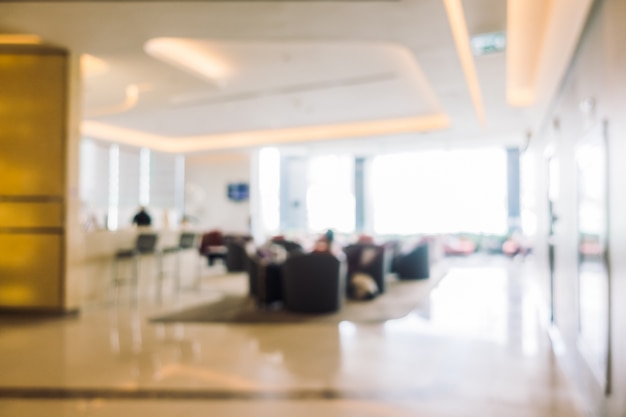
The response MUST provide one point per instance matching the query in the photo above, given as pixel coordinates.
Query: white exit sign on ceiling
(488, 43)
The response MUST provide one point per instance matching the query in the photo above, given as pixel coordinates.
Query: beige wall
(598, 73)
(206, 179)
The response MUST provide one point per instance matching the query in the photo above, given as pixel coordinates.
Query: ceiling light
(190, 55)
(458, 25)
(91, 66)
(19, 39)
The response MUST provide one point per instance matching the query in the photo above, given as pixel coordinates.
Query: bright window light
(144, 177)
(528, 197)
(330, 197)
(269, 189)
(114, 187)
(461, 191)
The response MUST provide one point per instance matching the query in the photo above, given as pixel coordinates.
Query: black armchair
(414, 264)
(236, 256)
(313, 283)
(265, 280)
(371, 259)
(213, 247)
(290, 246)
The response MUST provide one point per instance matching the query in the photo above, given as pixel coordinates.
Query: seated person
(272, 252)
(290, 246)
(322, 244)
(142, 218)
(365, 239)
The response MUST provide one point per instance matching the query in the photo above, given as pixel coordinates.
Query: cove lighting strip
(456, 16)
(19, 39)
(186, 144)
(541, 40)
(526, 24)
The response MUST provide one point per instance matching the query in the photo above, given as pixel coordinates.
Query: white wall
(206, 180)
(598, 73)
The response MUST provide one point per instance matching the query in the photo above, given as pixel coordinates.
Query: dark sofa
(414, 263)
(314, 282)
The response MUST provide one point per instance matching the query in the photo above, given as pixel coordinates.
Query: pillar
(514, 188)
(39, 205)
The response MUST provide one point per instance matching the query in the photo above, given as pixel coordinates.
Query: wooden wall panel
(32, 123)
(30, 270)
(33, 146)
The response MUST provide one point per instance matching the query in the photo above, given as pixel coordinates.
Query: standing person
(142, 218)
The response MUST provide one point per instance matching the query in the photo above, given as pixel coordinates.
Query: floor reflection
(495, 301)
(475, 342)
(293, 355)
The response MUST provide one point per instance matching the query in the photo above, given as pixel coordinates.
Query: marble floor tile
(474, 347)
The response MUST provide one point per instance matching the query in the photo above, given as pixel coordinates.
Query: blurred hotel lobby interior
(341, 208)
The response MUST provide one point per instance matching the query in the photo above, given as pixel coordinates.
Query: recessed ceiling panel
(200, 87)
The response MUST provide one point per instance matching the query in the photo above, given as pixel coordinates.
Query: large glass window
(330, 194)
(94, 182)
(128, 184)
(440, 192)
(115, 180)
(269, 190)
(528, 195)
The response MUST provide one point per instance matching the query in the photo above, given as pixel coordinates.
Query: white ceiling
(289, 65)
(273, 85)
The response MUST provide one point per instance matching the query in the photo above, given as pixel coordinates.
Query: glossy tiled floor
(474, 348)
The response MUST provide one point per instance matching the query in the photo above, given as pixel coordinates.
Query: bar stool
(144, 245)
(186, 241)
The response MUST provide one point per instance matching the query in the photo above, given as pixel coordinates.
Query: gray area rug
(399, 300)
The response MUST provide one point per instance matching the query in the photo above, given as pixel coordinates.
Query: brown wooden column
(34, 95)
